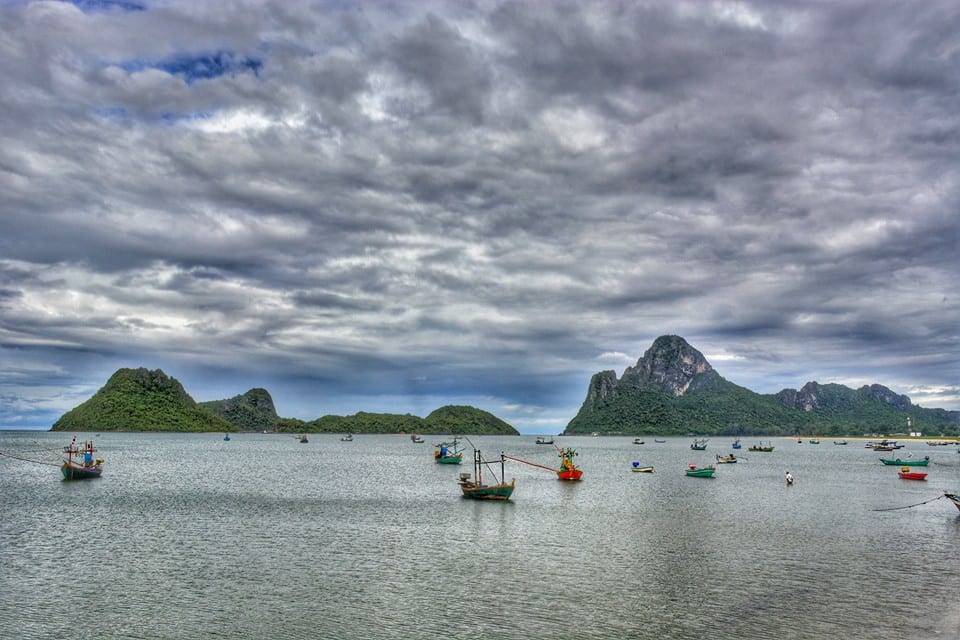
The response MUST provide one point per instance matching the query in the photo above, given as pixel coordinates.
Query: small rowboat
(700, 472)
(637, 468)
(908, 462)
(906, 474)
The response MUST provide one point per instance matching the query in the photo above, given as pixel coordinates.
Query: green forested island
(673, 390)
(144, 400)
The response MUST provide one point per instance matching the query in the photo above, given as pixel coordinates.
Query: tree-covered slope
(251, 411)
(141, 400)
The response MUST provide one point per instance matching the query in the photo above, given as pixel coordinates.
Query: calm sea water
(188, 536)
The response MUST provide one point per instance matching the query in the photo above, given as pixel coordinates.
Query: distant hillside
(673, 390)
(141, 400)
(449, 419)
(252, 411)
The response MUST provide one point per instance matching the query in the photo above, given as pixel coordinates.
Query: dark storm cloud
(365, 206)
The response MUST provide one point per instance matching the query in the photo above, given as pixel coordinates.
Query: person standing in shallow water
(789, 479)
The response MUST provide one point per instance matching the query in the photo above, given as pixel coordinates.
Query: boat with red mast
(567, 471)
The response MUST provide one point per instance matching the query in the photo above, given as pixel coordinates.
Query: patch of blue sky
(90, 6)
(205, 66)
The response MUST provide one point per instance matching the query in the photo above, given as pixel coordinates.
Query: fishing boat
(814, 442)
(906, 474)
(544, 439)
(347, 438)
(448, 453)
(909, 462)
(477, 490)
(727, 459)
(736, 444)
(303, 439)
(226, 437)
(700, 472)
(699, 445)
(659, 441)
(840, 442)
(954, 498)
(416, 439)
(761, 448)
(85, 466)
(638, 441)
(641, 469)
(568, 470)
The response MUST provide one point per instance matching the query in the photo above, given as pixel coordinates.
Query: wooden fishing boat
(814, 442)
(476, 489)
(416, 439)
(736, 444)
(954, 498)
(347, 438)
(226, 437)
(544, 439)
(700, 472)
(641, 469)
(638, 441)
(448, 453)
(85, 466)
(839, 442)
(727, 459)
(303, 439)
(567, 471)
(659, 441)
(699, 445)
(761, 448)
(909, 462)
(906, 474)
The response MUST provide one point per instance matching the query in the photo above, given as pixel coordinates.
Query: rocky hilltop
(251, 411)
(674, 390)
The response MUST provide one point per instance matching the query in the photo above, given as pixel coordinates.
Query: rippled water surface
(188, 536)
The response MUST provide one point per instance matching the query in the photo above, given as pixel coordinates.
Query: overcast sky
(393, 206)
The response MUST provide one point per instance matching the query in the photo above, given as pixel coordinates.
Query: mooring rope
(909, 506)
(16, 457)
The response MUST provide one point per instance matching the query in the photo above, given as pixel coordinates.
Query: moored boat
(839, 442)
(736, 444)
(638, 441)
(906, 474)
(909, 462)
(303, 438)
(761, 448)
(347, 438)
(544, 439)
(699, 444)
(85, 466)
(226, 437)
(448, 452)
(694, 471)
(475, 489)
(727, 459)
(568, 470)
(416, 439)
(641, 469)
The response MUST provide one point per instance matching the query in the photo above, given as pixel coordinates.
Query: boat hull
(487, 491)
(642, 469)
(905, 463)
(912, 475)
(449, 459)
(570, 474)
(74, 472)
(700, 473)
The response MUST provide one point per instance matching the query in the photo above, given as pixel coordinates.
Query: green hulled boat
(477, 489)
(920, 462)
(700, 472)
(448, 453)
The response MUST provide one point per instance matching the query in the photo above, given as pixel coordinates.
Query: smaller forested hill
(451, 419)
(251, 411)
(467, 420)
(141, 400)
